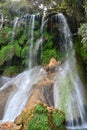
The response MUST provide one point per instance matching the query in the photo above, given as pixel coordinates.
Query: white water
(65, 34)
(32, 40)
(43, 19)
(69, 94)
(1, 20)
(34, 46)
(18, 98)
(3, 80)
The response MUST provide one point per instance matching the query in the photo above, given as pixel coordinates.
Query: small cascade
(43, 19)
(32, 41)
(18, 98)
(65, 39)
(1, 20)
(35, 45)
(15, 23)
(3, 80)
(69, 94)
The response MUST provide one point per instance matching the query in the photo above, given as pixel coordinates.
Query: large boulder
(41, 117)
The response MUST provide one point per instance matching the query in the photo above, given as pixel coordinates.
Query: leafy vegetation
(80, 49)
(41, 117)
(83, 29)
(15, 36)
(50, 49)
(81, 45)
(46, 120)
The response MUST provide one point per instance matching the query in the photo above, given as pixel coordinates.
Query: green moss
(44, 119)
(41, 117)
(39, 122)
(40, 109)
(10, 71)
(80, 49)
(58, 119)
(49, 49)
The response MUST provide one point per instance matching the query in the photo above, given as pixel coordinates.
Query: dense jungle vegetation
(15, 42)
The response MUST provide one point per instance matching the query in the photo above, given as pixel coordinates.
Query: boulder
(41, 117)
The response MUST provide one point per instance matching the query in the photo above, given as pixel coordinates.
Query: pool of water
(83, 127)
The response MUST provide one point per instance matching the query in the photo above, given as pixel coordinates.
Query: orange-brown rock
(41, 116)
(51, 67)
(9, 126)
(53, 63)
(41, 93)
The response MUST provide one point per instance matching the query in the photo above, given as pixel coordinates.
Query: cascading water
(34, 47)
(18, 98)
(43, 18)
(69, 94)
(1, 20)
(32, 40)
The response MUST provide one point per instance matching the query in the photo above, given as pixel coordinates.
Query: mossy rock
(41, 117)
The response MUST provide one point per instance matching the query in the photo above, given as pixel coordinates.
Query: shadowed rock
(4, 94)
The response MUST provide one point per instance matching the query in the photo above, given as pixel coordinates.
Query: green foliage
(44, 119)
(17, 49)
(14, 42)
(39, 122)
(80, 49)
(39, 109)
(82, 31)
(10, 71)
(24, 51)
(4, 39)
(58, 119)
(48, 54)
(49, 49)
(6, 53)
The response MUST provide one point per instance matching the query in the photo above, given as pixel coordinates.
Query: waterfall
(43, 18)
(32, 40)
(34, 46)
(18, 98)
(64, 33)
(1, 20)
(69, 94)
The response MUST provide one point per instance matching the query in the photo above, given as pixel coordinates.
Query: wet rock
(4, 94)
(41, 92)
(53, 63)
(3, 80)
(51, 67)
